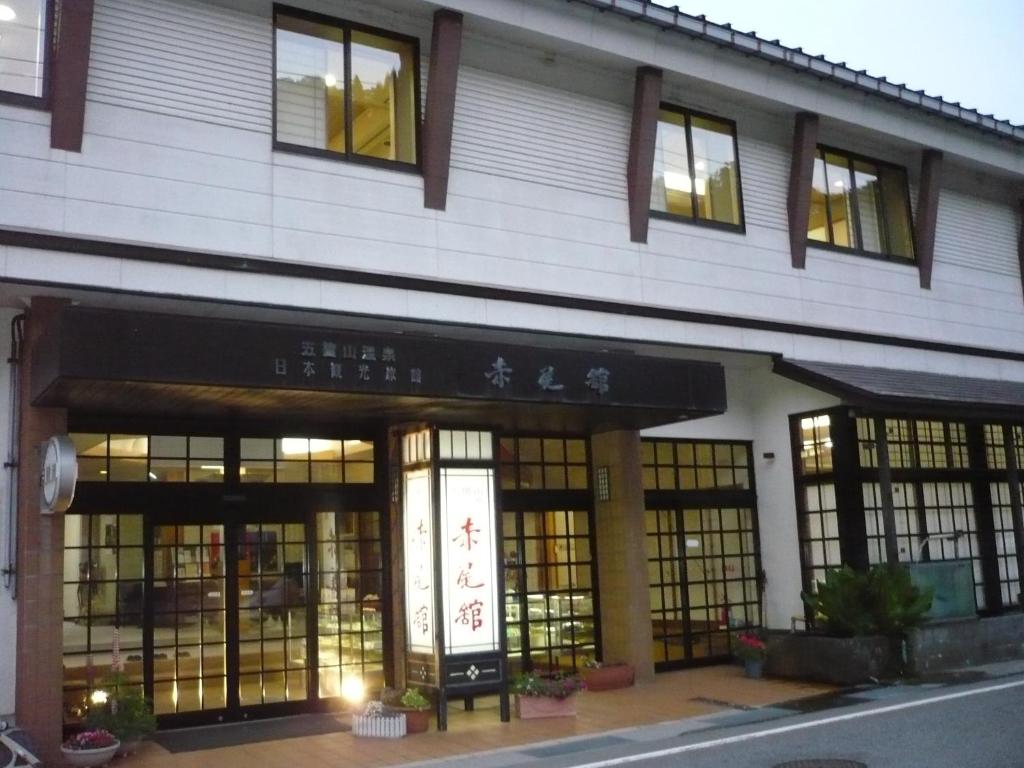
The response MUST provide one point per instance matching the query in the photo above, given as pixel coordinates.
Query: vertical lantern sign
(469, 557)
(419, 562)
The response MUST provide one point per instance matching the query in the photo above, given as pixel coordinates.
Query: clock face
(58, 474)
(51, 472)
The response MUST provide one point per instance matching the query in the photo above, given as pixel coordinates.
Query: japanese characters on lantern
(419, 563)
(469, 560)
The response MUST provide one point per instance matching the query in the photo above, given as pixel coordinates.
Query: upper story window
(342, 89)
(23, 47)
(860, 204)
(696, 170)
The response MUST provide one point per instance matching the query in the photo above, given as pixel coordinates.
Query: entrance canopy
(136, 363)
(908, 391)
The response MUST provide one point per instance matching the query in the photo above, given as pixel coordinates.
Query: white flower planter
(390, 726)
(88, 758)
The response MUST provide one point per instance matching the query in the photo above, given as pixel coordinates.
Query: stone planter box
(943, 645)
(608, 677)
(833, 660)
(530, 707)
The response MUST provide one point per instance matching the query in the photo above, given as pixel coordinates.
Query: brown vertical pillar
(801, 173)
(442, 82)
(642, 140)
(1020, 241)
(892, 549)
(621, 558)
(927, 213)
(396, 562)
(38, 697)
(70, 75)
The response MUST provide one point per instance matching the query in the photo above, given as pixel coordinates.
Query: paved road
(974, 726)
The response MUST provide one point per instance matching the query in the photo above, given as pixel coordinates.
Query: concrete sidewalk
(677, 696)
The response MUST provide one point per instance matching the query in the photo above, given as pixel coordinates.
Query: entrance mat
(236, 734)
(580, 745)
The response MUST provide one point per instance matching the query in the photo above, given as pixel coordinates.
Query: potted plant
(553, 696)
(125, 713)
(752, 650)
(416, 707)
(90, 748)
(601, 676)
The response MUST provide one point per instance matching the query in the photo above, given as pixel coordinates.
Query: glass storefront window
(135, 458)
(550, 616)
(349, 620)
(544, 463)
(687, 465)
(305, 460)
(103, 591)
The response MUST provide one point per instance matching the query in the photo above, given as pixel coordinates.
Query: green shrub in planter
(879, 601)
(126, 713)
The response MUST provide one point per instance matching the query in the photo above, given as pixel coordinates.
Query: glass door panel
(273, 582)
(189, 673)
(702, 566)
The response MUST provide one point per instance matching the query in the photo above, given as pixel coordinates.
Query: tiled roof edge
(795, 58)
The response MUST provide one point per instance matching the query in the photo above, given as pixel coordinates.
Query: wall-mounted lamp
(604, 488)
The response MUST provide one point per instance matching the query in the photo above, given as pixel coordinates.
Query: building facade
(700, 315)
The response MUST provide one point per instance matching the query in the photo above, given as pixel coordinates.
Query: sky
(962, 50)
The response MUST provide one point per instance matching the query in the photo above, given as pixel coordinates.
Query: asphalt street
(975, 726)
(946, 722)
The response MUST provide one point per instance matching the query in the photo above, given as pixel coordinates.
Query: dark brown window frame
(688, 113)
(852, 157)
(347, 27)
(49, 51)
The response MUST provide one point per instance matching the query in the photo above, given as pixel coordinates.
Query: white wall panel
(978, 234)
(520, 130)
(182, 58)
(177, 152)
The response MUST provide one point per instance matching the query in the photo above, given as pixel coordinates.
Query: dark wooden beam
(642, 138)
(70, 74)
(801, 172)
(1020, 248)
(927, 213)
(442, 82)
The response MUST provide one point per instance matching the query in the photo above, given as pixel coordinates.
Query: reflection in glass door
(272, 582)
(189, 659)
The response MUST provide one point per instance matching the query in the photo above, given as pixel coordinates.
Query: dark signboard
(127, 346)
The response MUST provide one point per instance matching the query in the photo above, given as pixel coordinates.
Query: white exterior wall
(177, 152)
(8, 608)
(760, 404)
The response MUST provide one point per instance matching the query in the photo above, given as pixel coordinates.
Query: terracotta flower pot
(417, 720)
(530, 707)
(608, 677)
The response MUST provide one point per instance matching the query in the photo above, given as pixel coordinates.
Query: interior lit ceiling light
(7, 13)
(330, 80)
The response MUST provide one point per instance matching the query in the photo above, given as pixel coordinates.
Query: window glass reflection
(859, 203)
(704, 186)
(368, 110)
(714, 164)
(22, 46)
